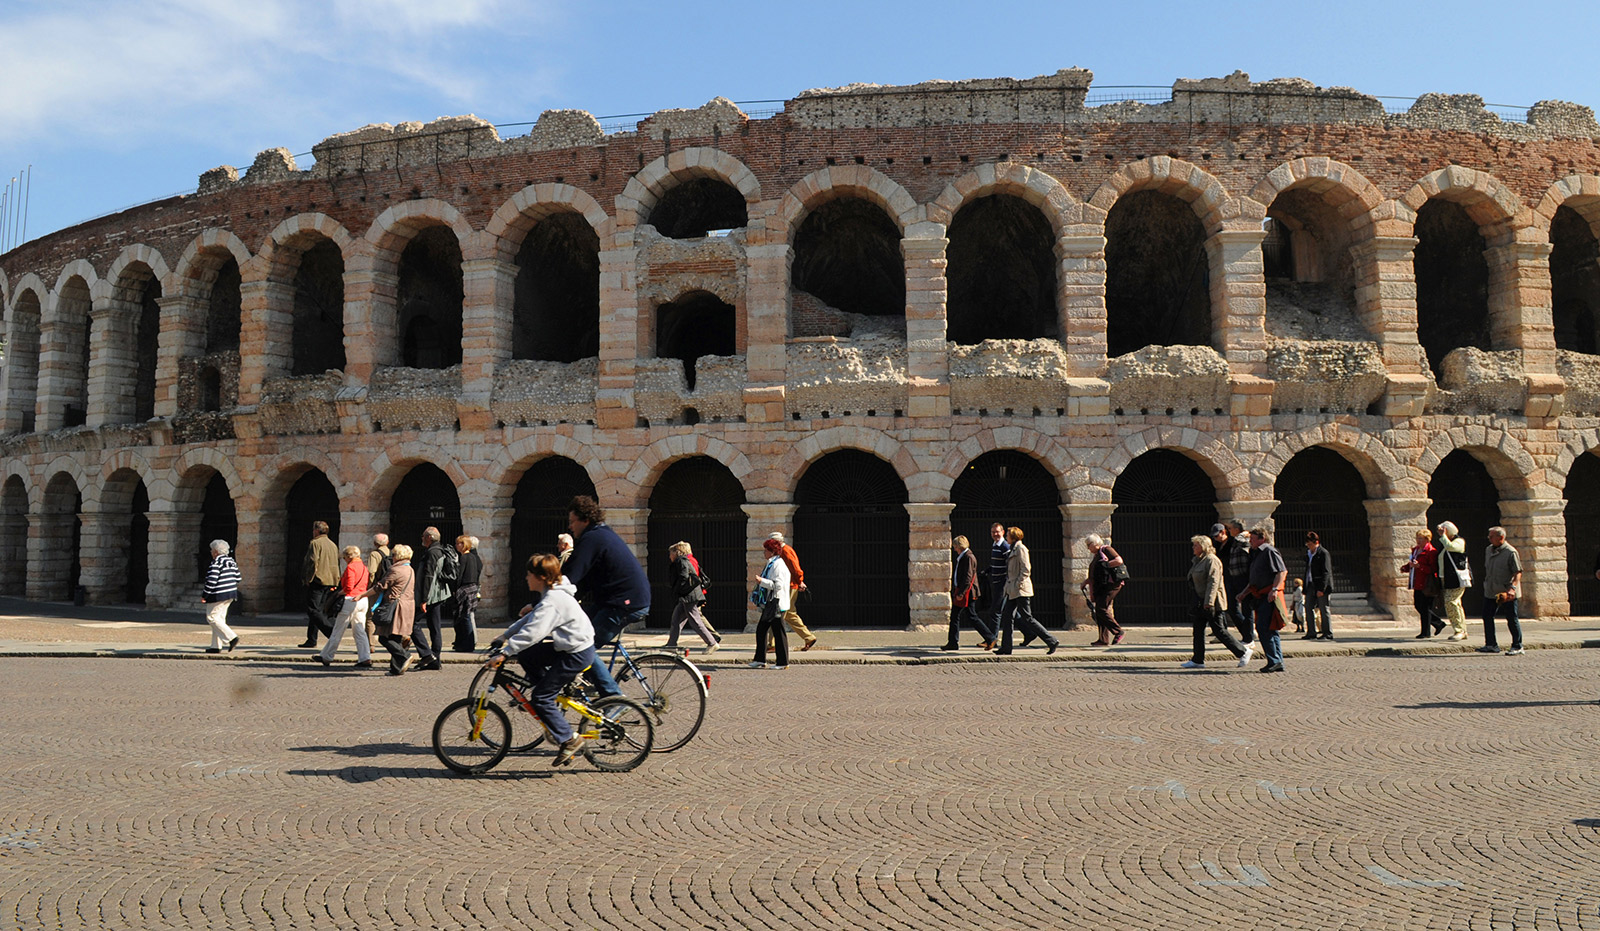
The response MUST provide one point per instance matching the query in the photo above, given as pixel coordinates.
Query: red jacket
(796, 576)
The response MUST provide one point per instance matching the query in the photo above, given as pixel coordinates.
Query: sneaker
(1456, 637)
(1488, 649)
(711, 649)
(754, 664)
(411, 661)
(1191, 664)
(777, 667)
(1249, 651)
(1514, 651)
(569, 749)
(1117, 639)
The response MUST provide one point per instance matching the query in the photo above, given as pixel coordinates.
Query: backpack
(450, 569)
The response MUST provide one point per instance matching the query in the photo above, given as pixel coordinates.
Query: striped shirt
(222, 580)
(997, 564)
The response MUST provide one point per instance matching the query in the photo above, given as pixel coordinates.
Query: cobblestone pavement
(1389, 792)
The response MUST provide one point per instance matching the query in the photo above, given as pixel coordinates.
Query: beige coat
(1019, 572)
(399, 588)
(1206, 576)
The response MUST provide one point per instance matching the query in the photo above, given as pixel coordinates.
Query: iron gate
(1014, 489)
(1583, 535)
(426, 498)
(1464, 494)
(1163, 498)
(311, 499)
(698, 501)
(538, 516)
(851, 531)
(1320, 490)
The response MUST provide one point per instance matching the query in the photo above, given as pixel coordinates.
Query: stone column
(1386, 304)
(927, 355)
(619, 338)
(767, 331)
(1239, 298)
(929, 568)
(763, 520)
(112, 366)
(104, 556)
(1077, 522)
(492, 526)
(175, 548)
(260, 557)
(1249, 513)
(1393, 523)
(1520, 317)
(182, 336)
(1538, 530)
(266, 332)
(50, 555)
(371, 323)
(20, 371)
(1081, 301)
(486, 337)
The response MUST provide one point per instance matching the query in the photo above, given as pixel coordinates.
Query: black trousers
(399, 650)
(1423, 602)
(1019, 612)
(1241, 620)
(968, 614)
(429, 632)
(769, 624)
(1210, 619)
(317, 620)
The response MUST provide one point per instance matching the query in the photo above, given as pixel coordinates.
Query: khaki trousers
(791, 618)
(1453, 611)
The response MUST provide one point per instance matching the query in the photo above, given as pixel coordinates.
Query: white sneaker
(1249, 651)
(1514, 651)
(710, 649)
(1191, 664)
(777, 667)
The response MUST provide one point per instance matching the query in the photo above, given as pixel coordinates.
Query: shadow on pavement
(1587, 822)
(379, 749)
(1499, 704)
(506, 772)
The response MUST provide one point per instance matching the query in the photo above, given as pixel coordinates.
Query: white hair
(1093, 539)
(220, 547)
(775, 535)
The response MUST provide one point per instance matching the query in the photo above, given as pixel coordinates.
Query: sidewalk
(48, 629)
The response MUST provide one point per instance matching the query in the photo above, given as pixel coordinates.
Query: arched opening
(1583, 535)
(846, 261)
(70, 343)
(1452, 281)
(210, 388)
(698, 501)
(426, 497)
(1319, 490)
(696, 324)
(310, 499)
(557, 304)
(1310, 273)
(539, 515)
(429, 297)
(22, 362)
(218, 521)
(1575, 282)
(697, 206)
(1002, 272)
(1163, 498)
(59, 537)
(137, 546)
(1158, 278)
(1465, 494)
(851, 531)
(1016, 490)
(14, 538)
(146, 339)
(317, 343)
(222, 310)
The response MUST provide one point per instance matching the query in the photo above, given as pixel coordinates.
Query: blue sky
(118, 103)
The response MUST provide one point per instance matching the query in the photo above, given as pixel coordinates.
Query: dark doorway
(138, 545)
(61, 535)
(318, 338)
(1002, 272)
(72, 309)
(210, 388)
(557, 304)
(14, 538)
(697, 324)
(146, 338)
(1158, 278)
(1575, 282)
(311, 499)
(1583, 535)
(1319, 490)
(426, 498)
(218, 521)
(429, 298)
(1016, 490)
(222, 315)
(847, 254)
(1163, 498)
(1465, 494)
(539, 515)
(1452, 281)
(851, 532)
(696, 207)
(699, 501)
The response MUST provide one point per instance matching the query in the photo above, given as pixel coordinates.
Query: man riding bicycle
(610, 582)
(550, 664)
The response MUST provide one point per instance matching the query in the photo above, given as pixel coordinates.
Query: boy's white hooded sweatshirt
(557, 616)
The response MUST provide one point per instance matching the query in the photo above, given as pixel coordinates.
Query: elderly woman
(466, 594)
(221, 588)
(1454, 577)
(1101, 588)
(1210, 607)
(684, 575)
(772, 596)
(354, 580)
(395, 611)
(1422, 578)
(1019, 596)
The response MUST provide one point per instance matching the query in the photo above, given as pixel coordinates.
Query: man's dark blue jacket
(605, 571)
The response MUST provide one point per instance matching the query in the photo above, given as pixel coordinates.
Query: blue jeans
(608, 624)
(1262, 609)
(549, 670)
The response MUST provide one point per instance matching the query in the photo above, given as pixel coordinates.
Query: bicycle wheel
(624, 738)
(480, 684)
(673, 690)
(454, 744)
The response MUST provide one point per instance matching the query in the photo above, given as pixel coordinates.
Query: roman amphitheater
(865, 318)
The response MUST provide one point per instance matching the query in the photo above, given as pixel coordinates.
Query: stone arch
(297, 233)
(272, 350)
(65, 348)
(419, 310)
(1344, 188)
(1037, 187)
(1515, 472)
(393, 228)
(1057, 459)
(31, 282)
(643, 191)
(816, 445)
(197, 268)
(1228, 474)
(1206, 195)
(1386, 476)
(77, 268)
(126, 375)
(844, 181)
(533, 203)
(157, 485)
(1580, 192)
(390, 467)
(275, 478)
(511, 461)
(1494, 207)
(193, 463)
(58, 466)
(135, 254)
(655, 458)
(1579, 443)
(24, 322)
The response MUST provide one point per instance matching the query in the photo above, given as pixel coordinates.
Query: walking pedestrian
(1019, 598)
(377, 564)
(684, 576)
(1502, 575)
(468, 574)
(1422, 578)
(611, 584)
(1263, 592)
(995, 583)
(1101, 588)
(354, 582)
(964, 597)
(1210, 608)
(797, 584)
(1295, 598)
(220, 590)
(396, 616)
(772, 595)
(319, 573)
(1455, 576)
(436, 570)
(1319, 585)
(1233, 548)
(563, 548)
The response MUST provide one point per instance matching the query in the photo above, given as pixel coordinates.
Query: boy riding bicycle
(551, 664)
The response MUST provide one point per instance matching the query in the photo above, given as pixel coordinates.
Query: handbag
(1463, 570)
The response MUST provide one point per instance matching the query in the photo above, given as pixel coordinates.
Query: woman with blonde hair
(1019, 595)
(395, 612)
(1210, 607)
(1455, 576)
(353, 584)
(685, 578)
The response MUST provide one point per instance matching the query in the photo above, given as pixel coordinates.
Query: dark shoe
(393, 672)
(950, 647)
(1437, 626)
(1310, 636)
(1272, 667)
(1118, 638)
(1326, 637)
(1052, 647)
(233, 643)
(986, 645)
(1024, 643)
(1099, 643)
(324, 661)
(1422, 636)
(213, 650)
(309, 643)
(808, 644)
(1002, 652)
(1488, 648)
(364, 664)
(431, 666)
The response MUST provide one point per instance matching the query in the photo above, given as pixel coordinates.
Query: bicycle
(673, 689)
(472, 735)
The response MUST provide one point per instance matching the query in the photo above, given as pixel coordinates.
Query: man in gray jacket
(1502, 578)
